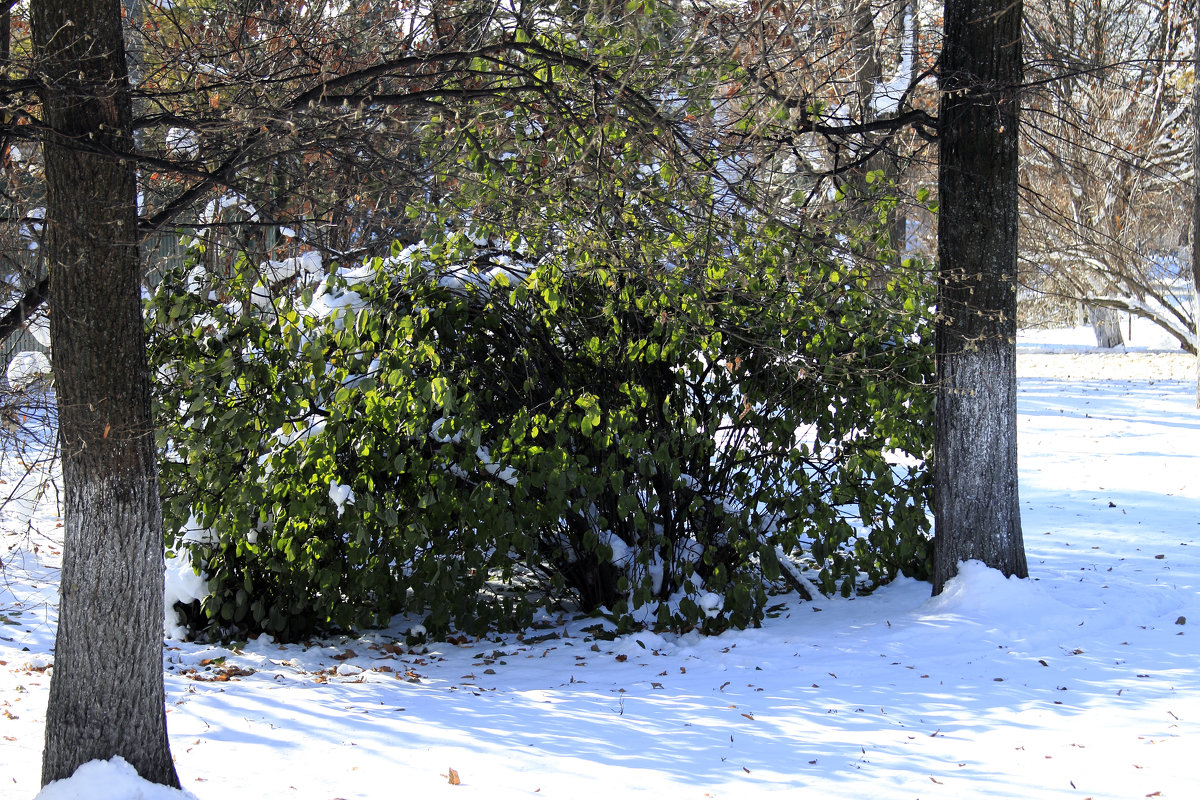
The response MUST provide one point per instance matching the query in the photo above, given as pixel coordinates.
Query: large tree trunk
(106, 696)
(976, 510)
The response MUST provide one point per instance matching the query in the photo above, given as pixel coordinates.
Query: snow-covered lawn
(1083, 681)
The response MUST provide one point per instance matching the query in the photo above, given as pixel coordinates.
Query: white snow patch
(193, 531)
(26, 367)
(39, 329)
(214, 210)
(622, 555)
(115, 779)
(181, 585)
(307, 266)
(341, 495)
(1079, 681)
(711, 603)
(182, 143)
(887, 96)
(643, 643)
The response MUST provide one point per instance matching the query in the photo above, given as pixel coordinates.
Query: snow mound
(109, 780)
(640, 644)
(983, 598)
(979, 590)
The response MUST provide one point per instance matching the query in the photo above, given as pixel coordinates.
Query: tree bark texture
(106, 696)
(976, 509)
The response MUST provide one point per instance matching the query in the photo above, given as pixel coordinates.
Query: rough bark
(976, 509)
(106, 696)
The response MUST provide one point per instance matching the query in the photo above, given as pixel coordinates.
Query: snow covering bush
(470, 431)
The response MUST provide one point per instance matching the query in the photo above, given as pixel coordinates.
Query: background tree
(840, 106)
(1105, 157)
(976, 510)
(106, 696)
(1195, 229)
(322, 152)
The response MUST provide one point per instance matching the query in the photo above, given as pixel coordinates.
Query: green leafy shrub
(619, 372)
(475, 428)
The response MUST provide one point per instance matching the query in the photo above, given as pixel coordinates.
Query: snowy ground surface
(1083, 681)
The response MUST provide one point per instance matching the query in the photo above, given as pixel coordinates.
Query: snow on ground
(1083, 681)
(1149, 353)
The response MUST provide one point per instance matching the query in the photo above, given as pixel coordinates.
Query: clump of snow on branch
(305, 266)
(341, 495)
(216, 208)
